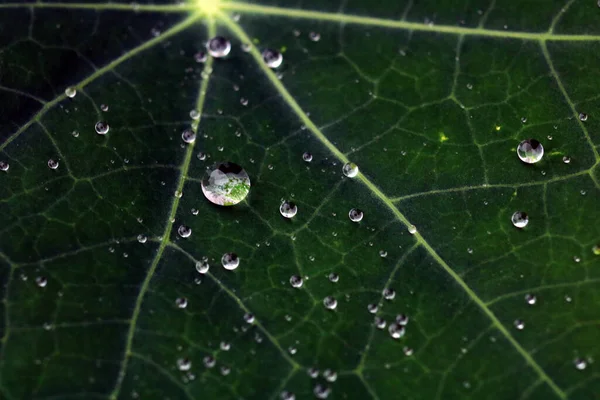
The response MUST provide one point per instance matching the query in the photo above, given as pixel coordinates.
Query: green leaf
(429, 98)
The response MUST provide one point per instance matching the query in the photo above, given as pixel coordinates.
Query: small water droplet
(313, 372)
(142, 238)
(330, 375)
(580, 364)
(382, 253)
(292, 350)
(408, 351)
(225, 346)
(285, 395)
(314, 36)
(307, 157)
(225, 184)
(230, 261)
(330, 302)
(52, 164)
(184, 231)
(321, 391)
(188, 136)
(296, 281)
(372, 308)
(576, 259)
(209, 361)
(402, 319)
(519, 324)
(249, 318)
(396, 330)
(102, 128)
(530, 151)
(41, 281)
(288, 209)
(520, 219)
(582, 192)
(566, 159)
(201, 156)
(184, 364)
(272, 58)
(523, 120)
(469, 86)
(333, 277)
(530, 299)
(389, 294)
(350, 170)
(355, 215)
(583, 117)
(4, 166)
(200, 57)
(202, 266)
(104, 107)
(218, 47)
(70, 92)
(412, 229)
(596, 249)
(181, 302)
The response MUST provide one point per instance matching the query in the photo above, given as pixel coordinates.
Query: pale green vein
(398, 24)
(167, 232)
(542, 288)
(287, 97)
(243, 307)
(568, 100)
(181, 7)
(101, 71)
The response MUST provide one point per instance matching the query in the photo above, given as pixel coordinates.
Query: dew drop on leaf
(396, 330)
(225, 370)
(181, 302)
(249, 318)
(142, 238)
(350, 170)
(188, 136)
(218, 47)
(314, 36)
(52, 164)
(389, 294)
(333, 277)
(41, 281)
(382, 253)
(200, 57)
(102, 128)
(184, 364)
(285, 395)
(530, 151)
(402, 319)
(272, 58)
(225, 184)
(330, 375)
(288, 209)
(566, 159)
(407, 351)
(195, 115)
(307, 157)
(583, 117)
(202, 266)
(4, 166)
(412, 229)
(321, 391)
(355, 215)
(70, 92)
(380, 323)
(519, 324)
(580, 364)
(230, 261)
(201, 156)
(104, 107)
(520, 219)
(209, 361)
(596, 249)
(313, 372)
(184, 231)
(372, 308)
(225, 346)
(296, 281)
(330, 302)
(292, 350)
(530, 299)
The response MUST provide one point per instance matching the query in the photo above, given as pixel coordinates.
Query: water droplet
(596, 249)
(307, 157)
(142, 238)
(201, 156)
(355, 215)
(195, 211)
(321, 391)
(285, 395)
(396, 330)
(218, 47)
(52, 164)
(412, 229)
(530, 299)
(70, 92)
(296, 281)
(292, 350)
(200, 57)
(184, 364)
(313, 372)
(195, 115)
(350, 170)
(583, 117)
(102, 128)
(209, 361)
(188, 136)
(314, 36)
(402, 319)
(580, 364)
(184, 231)
(179, 195)
(333, 277)
(566, 159)
(225, 346)
(41, 281)
(249, 318)
(523, 120)
(288, 209)
(202, 266)
(389, 294)
(330, 302)
(372, 308)
(469, 86)
(520, 219)
(582, 192)
(380, 323)
(407, 351)
(225, 184)
(330, 375)
(230, 261)
(519, 324)
(530, 151)
(382, 253)
(104, 107)
(75, 134)
(4, 166)
(272, 58)
(576, 259)
(181, 302)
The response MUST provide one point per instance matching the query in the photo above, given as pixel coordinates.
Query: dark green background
(432, 117)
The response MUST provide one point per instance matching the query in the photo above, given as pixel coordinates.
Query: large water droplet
(272, 58)
(350, 170)
(566, 159)
(520, 219)
(225, 184)
(188, 136)
(580, 364)
(396, 330)
(333, 277)
(330, 302)
(230, 261)
(583, 117)
(52, 164)
(102, 128)
(184, 364)
(355, 215)
(4, 166)
(184, 231)
(296, 281)
(307, 157)
(70, 92)
(181, 302)
(41, 281)
(530, 151)
(218, 46)
(288, 209)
